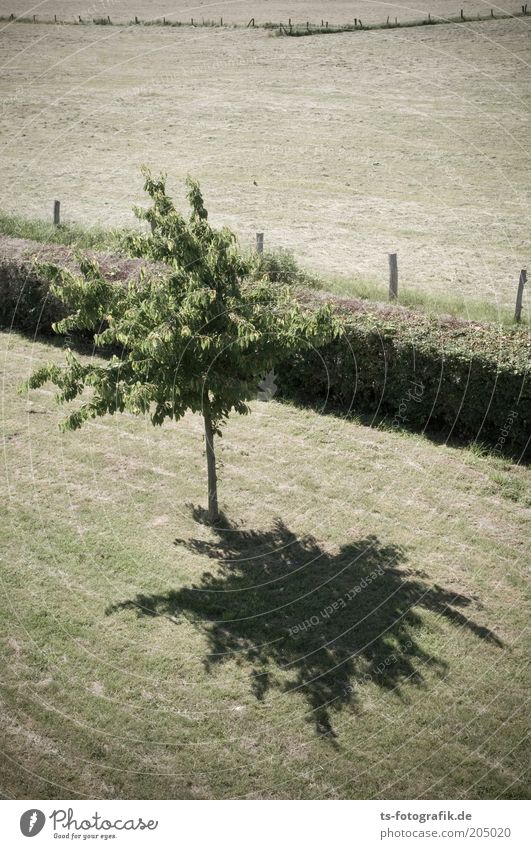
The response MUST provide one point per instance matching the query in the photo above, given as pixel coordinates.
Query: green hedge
(25, 301)
(460, 380)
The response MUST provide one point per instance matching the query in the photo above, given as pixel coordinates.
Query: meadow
(355, 628)
(342, 148)
(240, 12)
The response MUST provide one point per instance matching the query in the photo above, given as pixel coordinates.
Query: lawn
(354, 629)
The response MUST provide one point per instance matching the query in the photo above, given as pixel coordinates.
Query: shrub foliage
(462, 380)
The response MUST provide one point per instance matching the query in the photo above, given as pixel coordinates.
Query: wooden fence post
(393, 277)
(259, 243)
(56, 213)
(520, 295)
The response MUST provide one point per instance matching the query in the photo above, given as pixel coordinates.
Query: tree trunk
(213, 512)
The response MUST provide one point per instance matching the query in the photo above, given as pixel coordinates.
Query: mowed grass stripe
(151, 715)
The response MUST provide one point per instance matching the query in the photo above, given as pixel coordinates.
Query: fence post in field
(520, 295)
(56, 212)
(259, 243)
(393, 277)
(462, 16)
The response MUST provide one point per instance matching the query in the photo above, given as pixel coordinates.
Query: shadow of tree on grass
(311, 621)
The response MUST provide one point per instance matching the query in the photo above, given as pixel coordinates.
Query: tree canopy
(198, 334)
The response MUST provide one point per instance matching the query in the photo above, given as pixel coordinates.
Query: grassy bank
(282, 267)
(71, 234)
(357, 629)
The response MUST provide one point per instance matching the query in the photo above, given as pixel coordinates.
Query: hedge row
(25, 300)
(460, 379)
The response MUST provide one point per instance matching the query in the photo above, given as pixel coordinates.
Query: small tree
(200, 336)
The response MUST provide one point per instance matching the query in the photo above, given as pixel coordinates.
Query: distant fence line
(284, 29)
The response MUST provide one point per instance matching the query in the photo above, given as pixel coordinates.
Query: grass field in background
(342, 149)
(356, 628)
(241, 11)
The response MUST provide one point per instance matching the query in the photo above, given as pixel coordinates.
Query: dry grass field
(149, 656)
(341, 147)
(241, 11)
